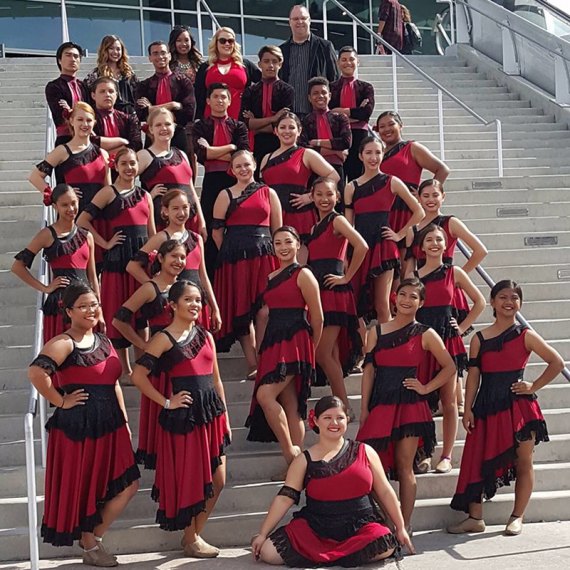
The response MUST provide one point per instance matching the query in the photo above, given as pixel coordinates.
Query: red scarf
(348, 94)
(267, 97)
(323, 125)
(109, 121)
(221, 133)
(163, 94)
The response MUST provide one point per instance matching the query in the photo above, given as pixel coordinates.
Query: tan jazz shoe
(201, 549)
(514, 526)
(98, 556)
(467, 526)
(444, 465)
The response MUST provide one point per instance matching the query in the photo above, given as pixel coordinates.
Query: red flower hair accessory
(112, 163)
(47, 195)
(311, 419)
(144, 128)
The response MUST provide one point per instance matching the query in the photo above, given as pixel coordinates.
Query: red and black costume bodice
(128, 213)
(67, 257)
(450, 240)
(157, 313)
(191, 270)
(340, 525)
(327, 251)
(372, 203)
(399, 162)
(189, 365)
(287, 174)
(247, 225)
(503, 419)
(85, 170)
(173, 171)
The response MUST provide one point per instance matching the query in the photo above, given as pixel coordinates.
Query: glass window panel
(360, 8)
(120, 3)
(191, 21)
(30, 25)
(263, 32)
(225, 22)
(156, 4)
(88, 24)
(267, 8)
(217, 6)
(157, 26)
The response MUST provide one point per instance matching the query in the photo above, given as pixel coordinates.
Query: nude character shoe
(444, 465)
(98, 556)
(201, 549)
(467, 526)
(514, 526)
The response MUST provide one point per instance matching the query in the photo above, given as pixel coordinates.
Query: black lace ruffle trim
(371, 187)
(180, 351)
(400, 336)
(98, 417)
(496, 343)
(45, 167)
(89, 357)
(277, 333)
(282, 276)
(248, 191)
(66, 246)
(88, 523)
(495, 393)
(205, 408)
(343, 460)
(490, 483)
(45, 363)
(321, 227)
(141, 257)
(283, 157)
(395, 149)
(124, 202)
(117, 258)
(147, 460)
(26, 257)
(293, 559)
(290, 493)
(184, 516)
(237, 248)
(240, 327)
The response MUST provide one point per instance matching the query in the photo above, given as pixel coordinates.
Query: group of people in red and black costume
(264, 256)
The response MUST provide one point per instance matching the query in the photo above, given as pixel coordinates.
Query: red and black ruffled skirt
(502, 421)
(244, 263)
(287, 350)
(90, 461)
(395, 413)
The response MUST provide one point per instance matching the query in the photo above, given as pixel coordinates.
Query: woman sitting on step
(502, 417)
(340, 524)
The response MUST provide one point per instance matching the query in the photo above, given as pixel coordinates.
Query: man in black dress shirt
(172, 91)
(265, 101)
(305, 55)
(355, 99)
(62, 93)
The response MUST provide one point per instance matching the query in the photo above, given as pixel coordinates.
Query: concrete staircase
(535, 185)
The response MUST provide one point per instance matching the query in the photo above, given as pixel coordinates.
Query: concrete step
(529, 256)
(504, 197)
(25, 198)
(510, 225)
(533, 209)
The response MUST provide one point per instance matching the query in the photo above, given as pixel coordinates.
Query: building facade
(34, 26)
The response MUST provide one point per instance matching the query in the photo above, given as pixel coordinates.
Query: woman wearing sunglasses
(225, 65)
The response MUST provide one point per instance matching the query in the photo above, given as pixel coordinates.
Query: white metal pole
(500, 147)
(440, 120)
(395, 81)
(31, 483)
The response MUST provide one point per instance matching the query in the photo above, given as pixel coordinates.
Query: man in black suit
(305, 55)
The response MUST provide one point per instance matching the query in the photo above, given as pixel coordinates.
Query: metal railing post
(499, 147)
(31, 486)
(395, 81)
(440, 121)
(199, 22)
(64, 26)
(326, 21)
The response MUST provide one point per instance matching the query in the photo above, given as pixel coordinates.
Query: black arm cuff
(124, 315)
(26, 256)
(45, 363)
(290, 493)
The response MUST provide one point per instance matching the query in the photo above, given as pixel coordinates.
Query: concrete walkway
(541, 546)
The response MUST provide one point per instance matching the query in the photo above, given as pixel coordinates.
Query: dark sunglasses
(225, 41)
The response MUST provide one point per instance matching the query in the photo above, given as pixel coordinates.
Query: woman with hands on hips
(340, 524)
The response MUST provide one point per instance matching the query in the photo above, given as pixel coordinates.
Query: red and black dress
(340, 524)
(460, 305)
(244, 262)
(502, 419)
(157, 315)
(67, 257)
(287, 348)
(437, 312)
(372, 204)
(89, 457)
(287, 174)
(173, 171)
(191, 440)
(394, 411)
(399, 162)
(327, 252)
(128, 213)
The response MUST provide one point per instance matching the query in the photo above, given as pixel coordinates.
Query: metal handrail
(441, 89)
(555, 10)
(505, 24)
(489, 281)
(215, 23)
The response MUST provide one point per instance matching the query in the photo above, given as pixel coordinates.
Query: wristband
(62, 401)
(167, 404)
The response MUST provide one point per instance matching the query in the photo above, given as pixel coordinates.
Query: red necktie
(76, 95)
(221, 132)
(323, 126)
(347, 95)
(267, 97)
(110, 127)
(163, 94)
